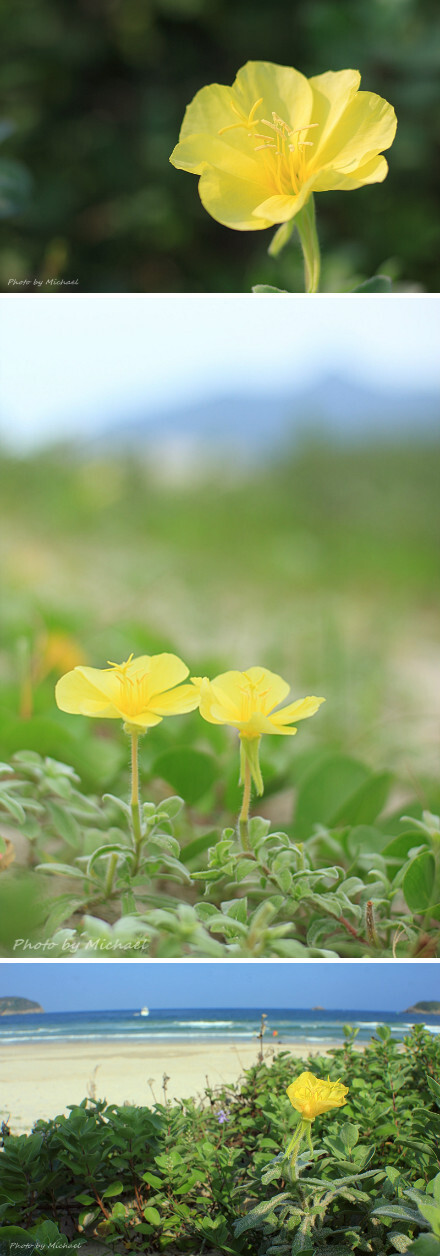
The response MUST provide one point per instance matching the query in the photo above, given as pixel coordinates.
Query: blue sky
(81, 986)
(70, 363)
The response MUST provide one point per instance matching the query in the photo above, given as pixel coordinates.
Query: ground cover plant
(228, 1175)
(332, 588)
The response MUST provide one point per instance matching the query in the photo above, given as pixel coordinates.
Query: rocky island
(425, 1009)
(10, 1006)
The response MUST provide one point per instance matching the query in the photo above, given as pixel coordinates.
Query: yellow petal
(175, 702)
(274, 687)
(201, 151)
(283, 208)
(374, 170)
(164, 671)
(365, 128)
(284, 91)
(210, 111)
(258, 724)
(332, 93)
(232, 201)
(299, 710)
(145, 720)
(226, 692)
(79, 693)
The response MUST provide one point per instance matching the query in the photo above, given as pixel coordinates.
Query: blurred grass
(324, 567)
(96, 90)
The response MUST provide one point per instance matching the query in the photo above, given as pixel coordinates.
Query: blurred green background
(324, 568)
(96, 90)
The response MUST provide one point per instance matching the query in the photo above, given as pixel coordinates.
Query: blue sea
(303, 1027)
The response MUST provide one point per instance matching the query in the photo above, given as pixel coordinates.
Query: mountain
(13, 1006)
(339, 406)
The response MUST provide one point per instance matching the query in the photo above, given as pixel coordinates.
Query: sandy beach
(40, 1079)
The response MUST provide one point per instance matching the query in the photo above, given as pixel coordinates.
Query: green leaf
(418, 882)
(60, 870)
(431, 1212)
(425, 1245)
(397, 1212)
(191, 772)
(400, 846)
(325, 789)
(115, 1188)
(14, 1232)
(379, 283)
(366, 804)
(110, 849)
(64, 824)
(152, 1215)
(14, 807)
(152, 1179)
(258, 1214)
(266, 287)
(118, 1210)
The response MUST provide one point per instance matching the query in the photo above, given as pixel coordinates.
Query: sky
(83, 986)
(68, 364)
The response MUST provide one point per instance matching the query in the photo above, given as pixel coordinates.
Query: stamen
(288, 171)
(298, 129)
(273, 127)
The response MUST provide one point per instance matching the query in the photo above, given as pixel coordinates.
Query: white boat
(145, 1011)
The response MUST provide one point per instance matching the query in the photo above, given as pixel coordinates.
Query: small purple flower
(222, 1117)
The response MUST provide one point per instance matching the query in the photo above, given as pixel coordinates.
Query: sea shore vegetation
(230, 1175)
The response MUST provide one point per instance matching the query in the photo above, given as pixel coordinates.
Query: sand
(40, 1079)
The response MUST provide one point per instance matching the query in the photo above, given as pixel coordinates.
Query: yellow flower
(246, 701)
(264, 145)
(55, 651)
(312, 1096)
(140, 691)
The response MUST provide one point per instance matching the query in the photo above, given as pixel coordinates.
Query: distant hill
(16, 1007)
(428, 1009)
(333, 405)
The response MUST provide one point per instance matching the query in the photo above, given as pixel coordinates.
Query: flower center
(134, 691)
(284, 147)
(252, 699)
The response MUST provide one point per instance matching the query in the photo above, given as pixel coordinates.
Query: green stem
(292, 1151)
(243, 819)
(306, 225)
(135, 807)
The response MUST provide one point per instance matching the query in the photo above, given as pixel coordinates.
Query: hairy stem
(243, 819)
(135, 807)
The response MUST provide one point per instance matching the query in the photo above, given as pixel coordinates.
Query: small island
(425, 1009)
(12, 1006)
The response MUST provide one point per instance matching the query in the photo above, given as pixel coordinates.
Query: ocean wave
(201, 1024)
(367, 1024)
